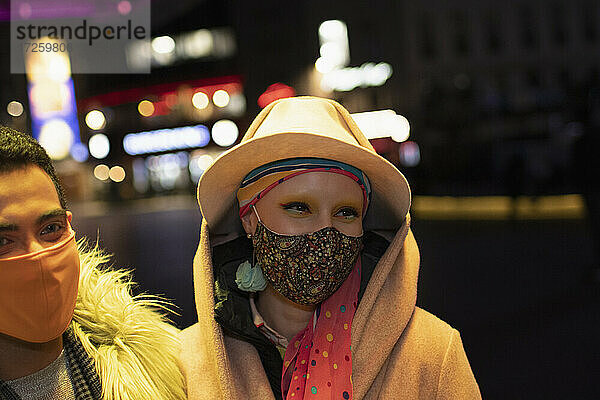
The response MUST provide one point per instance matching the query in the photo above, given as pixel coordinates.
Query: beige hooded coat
(399, 351)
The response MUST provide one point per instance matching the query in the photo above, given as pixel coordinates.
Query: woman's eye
(347, 212)
(52, 231)
(296, 207)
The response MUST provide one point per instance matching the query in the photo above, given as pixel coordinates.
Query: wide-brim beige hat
(302, 127)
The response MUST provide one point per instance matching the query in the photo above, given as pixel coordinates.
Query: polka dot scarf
(318, 360)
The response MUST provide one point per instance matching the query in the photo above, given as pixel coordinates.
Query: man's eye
(296, 207)
(52, 231)
(347, 212)
(5, 246)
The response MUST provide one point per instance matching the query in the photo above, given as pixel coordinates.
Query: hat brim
(218, 185)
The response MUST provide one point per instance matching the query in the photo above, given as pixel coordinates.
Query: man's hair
(19, 150)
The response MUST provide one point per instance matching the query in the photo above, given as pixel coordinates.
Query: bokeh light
(332, 30)
(14, 108)
(200, 100)
(124, 7)
(323, 65)
(101, 172)
(56, 136)
(146, 108)
(163, 44)
(225, 132)
(221, 98)
(95, 120)
(198, 164)
(116, 174)
(401, 129)
(79, 152)
(99, 146)
(166, 139)
(409, 154)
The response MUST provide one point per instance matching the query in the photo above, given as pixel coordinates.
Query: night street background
(495, 123)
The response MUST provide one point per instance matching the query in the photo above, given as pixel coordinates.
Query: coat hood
(391, 295)
(221, 367)
(134, 348)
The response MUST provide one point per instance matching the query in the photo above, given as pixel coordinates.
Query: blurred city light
(124, 7)
(401, 130)
(140, 175)
(204, 161)
(332, 30)
(52, 99)
(166, 139)
(167, 171)
(333, 53)
(335, 56)
(334, 47)
(48, 96)
(499, 207)
(25, 10)
(225, 132)
(163, 44)
(56, 136)
(237, 104)
(14, 108)
(170, 93)
(95, 120)
(324, 65)
(198, 43)
(346, 79)
(116, 174)
(274, 92)
(214, 43)
(221, 98)
(410, 154)
(99, 146)
(199, 163)
(59, 69)
(382, 124)
(146, 108)
(200, 100)
(171, 100)
(101, 172)
(376, 74)
(79, 152)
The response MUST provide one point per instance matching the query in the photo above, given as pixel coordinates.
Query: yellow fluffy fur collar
(134, 347)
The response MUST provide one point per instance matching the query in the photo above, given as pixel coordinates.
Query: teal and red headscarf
(264, 178)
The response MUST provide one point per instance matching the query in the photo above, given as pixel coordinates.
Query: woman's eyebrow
(59, 212)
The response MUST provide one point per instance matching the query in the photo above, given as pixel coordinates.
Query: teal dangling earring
(250, 278)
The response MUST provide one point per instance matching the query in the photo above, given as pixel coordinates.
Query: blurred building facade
(496, 95)
(502, 87)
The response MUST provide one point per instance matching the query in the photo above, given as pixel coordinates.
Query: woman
(306, 271)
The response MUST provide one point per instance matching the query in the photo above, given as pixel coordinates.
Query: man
(69, 328)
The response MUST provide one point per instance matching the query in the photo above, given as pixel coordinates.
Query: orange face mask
(38, 292)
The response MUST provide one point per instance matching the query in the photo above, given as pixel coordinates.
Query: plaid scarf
(82, 371)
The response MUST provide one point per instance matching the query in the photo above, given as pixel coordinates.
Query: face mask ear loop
(252, 238)
(256, 212)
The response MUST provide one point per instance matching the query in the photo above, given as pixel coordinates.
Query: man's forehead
(26, 187)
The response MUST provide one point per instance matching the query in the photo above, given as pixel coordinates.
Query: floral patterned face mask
(307, 268)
